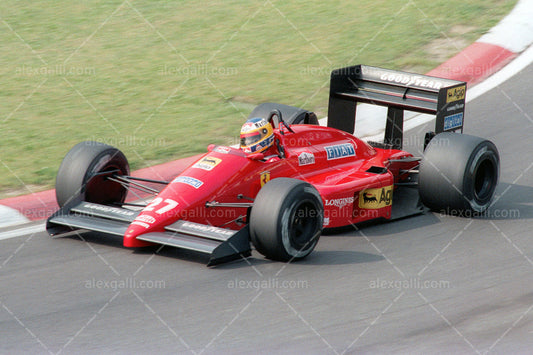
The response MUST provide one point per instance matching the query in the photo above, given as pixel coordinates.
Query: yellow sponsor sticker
(265, 177)
(207, 163)
(376, 198)
(456, 94)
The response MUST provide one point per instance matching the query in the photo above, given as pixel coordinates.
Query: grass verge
(162, 79)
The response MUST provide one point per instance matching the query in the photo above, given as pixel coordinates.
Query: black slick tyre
(286, 219)
(459, 172)
(82, 174)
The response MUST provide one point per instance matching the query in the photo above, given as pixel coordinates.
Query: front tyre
(459, 172)
(286, 219)
(82, 175)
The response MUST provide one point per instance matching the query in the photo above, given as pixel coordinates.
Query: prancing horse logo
(265, 177)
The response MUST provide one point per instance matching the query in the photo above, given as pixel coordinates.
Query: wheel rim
(100, 190)
(303, 224)
(484, 178)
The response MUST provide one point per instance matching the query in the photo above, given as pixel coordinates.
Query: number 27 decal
(168, 205)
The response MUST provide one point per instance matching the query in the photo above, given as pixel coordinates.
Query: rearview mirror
(256, 156)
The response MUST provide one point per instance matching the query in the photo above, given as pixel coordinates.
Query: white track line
(25, 230)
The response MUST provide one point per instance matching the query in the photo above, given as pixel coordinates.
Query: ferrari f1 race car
(290, 178)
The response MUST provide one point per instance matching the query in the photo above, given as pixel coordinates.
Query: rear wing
(398, 91)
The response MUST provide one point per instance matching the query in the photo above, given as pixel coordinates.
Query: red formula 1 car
(313, 177)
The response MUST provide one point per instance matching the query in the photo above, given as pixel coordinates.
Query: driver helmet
(257, 135)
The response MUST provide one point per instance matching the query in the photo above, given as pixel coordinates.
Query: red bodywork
(355, 180)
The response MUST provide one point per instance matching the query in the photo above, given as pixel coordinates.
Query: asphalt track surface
(426, 284)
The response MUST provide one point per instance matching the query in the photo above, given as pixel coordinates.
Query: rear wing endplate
(398, 91)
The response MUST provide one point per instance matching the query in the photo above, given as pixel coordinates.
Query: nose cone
(144, 223)
(185, 197)
(153, 218)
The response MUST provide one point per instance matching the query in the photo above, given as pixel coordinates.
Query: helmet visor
(251, 138)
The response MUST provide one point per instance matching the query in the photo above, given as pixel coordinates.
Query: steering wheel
(276, 112)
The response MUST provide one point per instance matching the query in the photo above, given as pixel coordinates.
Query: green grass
(162, 79)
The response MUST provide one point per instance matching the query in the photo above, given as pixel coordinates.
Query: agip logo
(375, 198)
(455, 94)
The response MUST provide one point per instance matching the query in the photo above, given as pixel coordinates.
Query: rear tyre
(81, 175)
(286, 219)
(459, 172)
